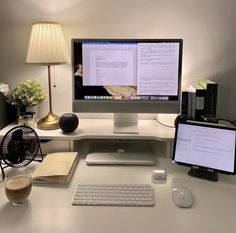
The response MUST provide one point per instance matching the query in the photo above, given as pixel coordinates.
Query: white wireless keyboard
(114, 195)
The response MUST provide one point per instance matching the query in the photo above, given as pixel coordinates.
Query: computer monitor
(207, 148)
(125, 76)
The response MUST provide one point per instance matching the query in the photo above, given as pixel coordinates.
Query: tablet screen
(205, 145)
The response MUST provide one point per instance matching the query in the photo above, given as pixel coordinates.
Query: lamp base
(51, 121)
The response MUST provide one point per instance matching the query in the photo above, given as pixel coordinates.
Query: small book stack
(56, 168)
(199, 101)
(186, 103)
(210, 98)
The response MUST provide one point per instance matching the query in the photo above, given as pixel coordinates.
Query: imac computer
(207, 148)
(126, 77)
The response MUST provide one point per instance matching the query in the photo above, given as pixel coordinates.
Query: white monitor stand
(126, 123)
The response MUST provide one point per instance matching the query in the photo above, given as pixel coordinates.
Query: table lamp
(47, 47)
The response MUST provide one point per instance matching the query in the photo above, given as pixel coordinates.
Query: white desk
(49, 209)
(103, 129)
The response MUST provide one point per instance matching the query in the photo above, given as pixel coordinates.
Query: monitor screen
(126, 75)
(205, 146)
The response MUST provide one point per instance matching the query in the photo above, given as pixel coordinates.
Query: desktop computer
(126, 77)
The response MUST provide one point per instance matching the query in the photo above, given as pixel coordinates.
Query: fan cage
(19, 147)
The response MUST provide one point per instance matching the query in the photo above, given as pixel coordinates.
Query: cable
(54, 79)
(231, 122)
(169, 126)
(218, 119)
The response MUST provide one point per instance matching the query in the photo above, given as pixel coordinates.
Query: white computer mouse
(182, 197)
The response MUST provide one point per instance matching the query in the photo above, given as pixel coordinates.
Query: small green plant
(27, 94)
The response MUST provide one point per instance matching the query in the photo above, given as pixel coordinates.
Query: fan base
(51, 121)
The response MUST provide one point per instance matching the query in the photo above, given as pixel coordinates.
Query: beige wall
(208, 28)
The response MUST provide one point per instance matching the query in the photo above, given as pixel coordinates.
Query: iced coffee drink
(18, 185)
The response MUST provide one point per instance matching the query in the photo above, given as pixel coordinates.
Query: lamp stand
(51, 121)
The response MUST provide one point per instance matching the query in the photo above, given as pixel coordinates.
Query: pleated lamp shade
(47, 47)
(47, 44)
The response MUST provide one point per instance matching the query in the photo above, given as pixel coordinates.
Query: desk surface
(49, 208)
(103, 128)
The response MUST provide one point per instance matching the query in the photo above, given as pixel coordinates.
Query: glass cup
(18, 185)
(27, 119)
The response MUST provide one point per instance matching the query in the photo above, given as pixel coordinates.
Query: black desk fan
(19, 147)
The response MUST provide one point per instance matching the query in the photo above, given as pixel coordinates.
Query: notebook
(56, 168)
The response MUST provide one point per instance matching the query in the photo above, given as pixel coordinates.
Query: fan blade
(32, 145)
(12, 154)
(22, 155)
(16, 152)
(17, 135)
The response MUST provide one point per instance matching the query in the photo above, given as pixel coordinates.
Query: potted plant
(25, 95)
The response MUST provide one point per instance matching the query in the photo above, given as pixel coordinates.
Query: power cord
(231, 122)
(217, 119)
(169, 126)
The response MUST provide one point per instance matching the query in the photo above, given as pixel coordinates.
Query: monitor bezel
(210, 125)
(116, 106)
